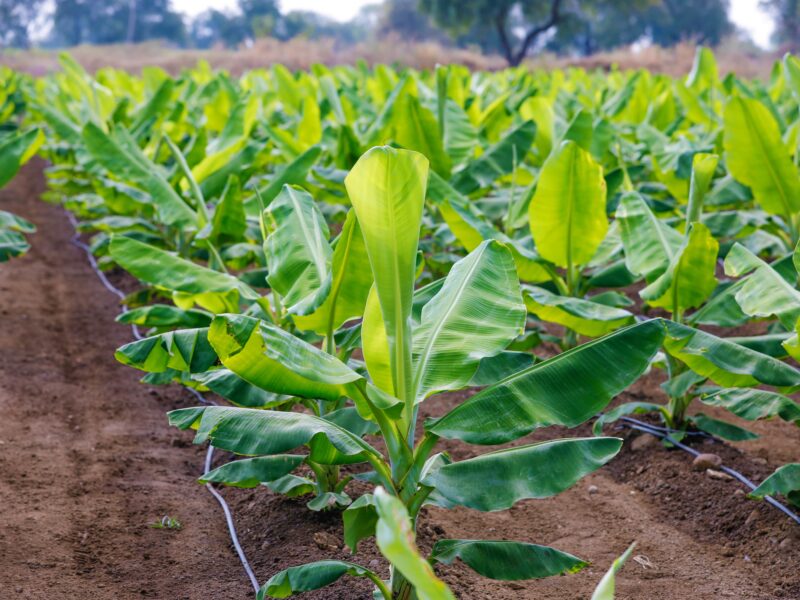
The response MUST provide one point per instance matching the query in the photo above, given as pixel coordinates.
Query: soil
(87, 461)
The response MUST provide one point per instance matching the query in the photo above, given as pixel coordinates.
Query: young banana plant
(413, 353)
(679, 270)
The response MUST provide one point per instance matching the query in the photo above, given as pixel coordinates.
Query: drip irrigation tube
(202, 399)
(664, 434)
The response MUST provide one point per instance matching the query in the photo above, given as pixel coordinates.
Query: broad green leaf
(294, 173)
(722, 429)
(16, 150)
(164, 315)
(650, 244)
(784, 481)
(15, 223)
(310, 577)
(475, 314)
(387, 190)
(704, 73)
(606, 588)
(498, 160)
(184, 350)
(394, 535)
(753, 404)
(297, 249)
(253, 432)
(507, 476)
(568, 212)
(756, 156)
(252, 472)
(764, 292)
(472, 228)
(120, 155)
(507, 561)
(279, 362)
(565, 390)
(726, 363)
(165, 270)
(689, 280)
(415, 128)
(350, 283)
(12, 244)
(233, 388)
(359, 521)
(582, 316)
(229, 221)
(375, 345)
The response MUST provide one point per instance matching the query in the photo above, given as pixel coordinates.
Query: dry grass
(301, 54)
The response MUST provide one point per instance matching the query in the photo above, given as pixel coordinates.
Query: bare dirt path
(87, 460)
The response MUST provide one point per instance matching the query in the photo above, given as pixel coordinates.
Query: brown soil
(88, 461)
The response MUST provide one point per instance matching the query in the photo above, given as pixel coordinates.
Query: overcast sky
(745, 13)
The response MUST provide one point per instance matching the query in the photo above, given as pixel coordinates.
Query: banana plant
(411, 355)
(679, 270)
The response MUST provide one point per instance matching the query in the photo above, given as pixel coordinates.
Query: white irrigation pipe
(210, 453)
(665, 434)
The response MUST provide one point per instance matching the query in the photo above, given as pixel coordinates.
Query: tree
(786, 14)
(532, 18)
(607, 25)
(260, 16)
(217, 27)
(404, 18)
(114, 21)
(16, 17)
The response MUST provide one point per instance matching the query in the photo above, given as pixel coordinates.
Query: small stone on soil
(718, 475)
(644, 441)
(706, 461)
(593, 489)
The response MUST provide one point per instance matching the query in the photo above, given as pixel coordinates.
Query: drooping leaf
(754, 404)
(252, 472)
(582, 316)
(785, 481)
(537, 470)
(310, 577)
(722, 429)
(566, 390)
(726, 363)
(507, 561)
(183, 350)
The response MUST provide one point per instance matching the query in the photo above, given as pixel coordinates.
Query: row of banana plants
(327, 286)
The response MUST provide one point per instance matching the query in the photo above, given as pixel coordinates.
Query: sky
(745, 13)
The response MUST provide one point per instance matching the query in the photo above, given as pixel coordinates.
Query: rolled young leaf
(605, 589)
(538, 470)
(387, 190)
(565, 390)
(507, 561)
